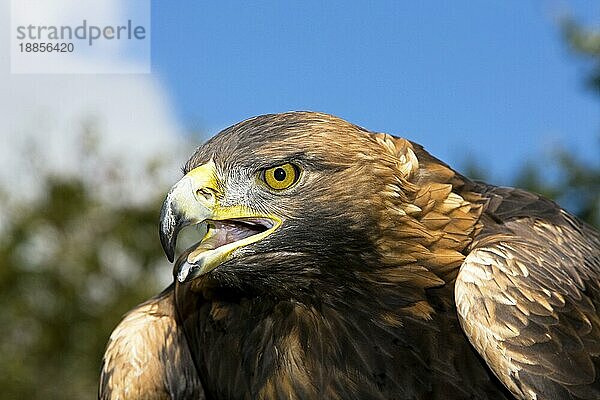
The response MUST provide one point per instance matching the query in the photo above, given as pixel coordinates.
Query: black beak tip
(169, 226)
(169, 250)
(168, 243)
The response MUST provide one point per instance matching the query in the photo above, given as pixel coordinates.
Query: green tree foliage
(70, 266)
(576, 185)
(585, 43)
(562, 175)
(582, 180)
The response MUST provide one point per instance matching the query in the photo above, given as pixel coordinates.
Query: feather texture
(528, 297)
(391, 277)
(147, 357)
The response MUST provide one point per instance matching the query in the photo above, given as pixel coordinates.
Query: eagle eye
(281, 177)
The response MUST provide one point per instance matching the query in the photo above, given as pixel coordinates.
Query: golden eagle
(340, 263)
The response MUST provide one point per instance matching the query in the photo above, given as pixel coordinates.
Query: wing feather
(147, 356)
(528, 298)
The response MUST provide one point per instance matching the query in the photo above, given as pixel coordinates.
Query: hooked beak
(195, 199)
(190, 201)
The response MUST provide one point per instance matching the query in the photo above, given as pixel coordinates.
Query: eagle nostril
(207, 193)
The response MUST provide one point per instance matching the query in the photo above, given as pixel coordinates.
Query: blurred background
(503, 91)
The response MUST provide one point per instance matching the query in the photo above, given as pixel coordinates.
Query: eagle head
(288, 200)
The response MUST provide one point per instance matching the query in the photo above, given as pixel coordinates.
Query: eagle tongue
(225, 233)
(220, 234)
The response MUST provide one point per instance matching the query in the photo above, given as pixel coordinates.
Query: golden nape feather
(340, 263)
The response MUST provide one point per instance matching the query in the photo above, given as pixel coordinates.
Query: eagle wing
(147, 356)
(528, 297)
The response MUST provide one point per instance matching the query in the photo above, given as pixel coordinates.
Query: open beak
(195, 199)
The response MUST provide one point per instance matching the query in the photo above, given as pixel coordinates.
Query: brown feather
(384, 254)
(534, 316)
(147, 356)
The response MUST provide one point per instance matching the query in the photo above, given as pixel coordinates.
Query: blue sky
(491, 79)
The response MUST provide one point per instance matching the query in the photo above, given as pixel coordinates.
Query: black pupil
(279, 174)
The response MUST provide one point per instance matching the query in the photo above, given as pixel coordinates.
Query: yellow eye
(282, 176)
